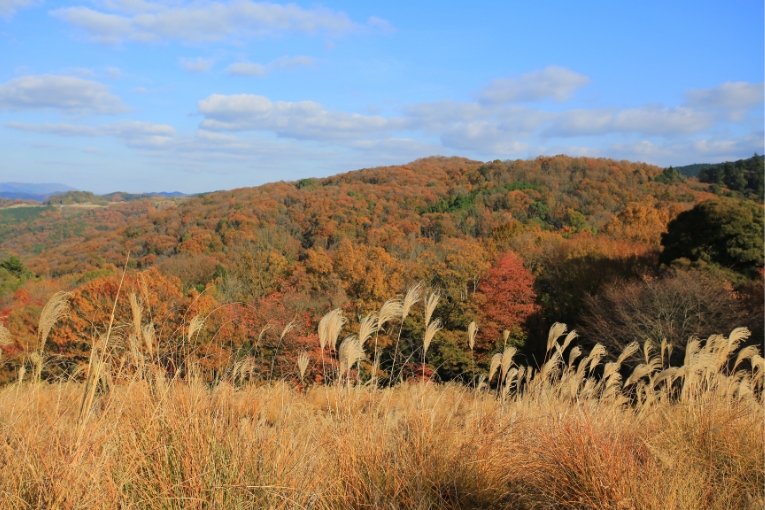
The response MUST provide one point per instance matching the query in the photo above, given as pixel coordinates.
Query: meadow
(584, 430)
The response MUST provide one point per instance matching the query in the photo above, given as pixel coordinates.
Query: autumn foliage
(505, 297)
(502, 241)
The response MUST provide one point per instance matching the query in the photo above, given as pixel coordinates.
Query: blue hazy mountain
(31, 191)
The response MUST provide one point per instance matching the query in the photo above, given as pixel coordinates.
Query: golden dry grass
(162, 444)
(576, 433)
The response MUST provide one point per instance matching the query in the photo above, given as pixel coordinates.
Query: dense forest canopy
(547, 234)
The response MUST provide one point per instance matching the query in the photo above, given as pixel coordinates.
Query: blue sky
(138, 95)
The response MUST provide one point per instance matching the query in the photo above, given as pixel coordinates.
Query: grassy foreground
(159, 444)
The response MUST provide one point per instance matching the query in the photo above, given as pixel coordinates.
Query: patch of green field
(22, 213)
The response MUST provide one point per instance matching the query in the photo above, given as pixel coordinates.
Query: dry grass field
(561, 437)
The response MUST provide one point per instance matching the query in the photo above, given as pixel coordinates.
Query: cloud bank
(57, 92)
(142, 21)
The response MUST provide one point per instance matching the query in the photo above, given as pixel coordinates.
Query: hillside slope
(290, 251)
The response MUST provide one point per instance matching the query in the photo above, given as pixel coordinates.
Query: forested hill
(293, 250)
(743, 175)
(390, 207)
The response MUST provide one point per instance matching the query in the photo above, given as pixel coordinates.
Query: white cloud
(144, 21)
(246, 68)
(732, 99)
(686, 151)
(729, 95)
(300, 120)
(197, 65)
(649, 120)
(9, 7)
(137, 134)
(142, 134)
(477, 127)
(65, 93)
(289, 61)
(108, 28)
(246, 127)
(485, 137)
(557, 83)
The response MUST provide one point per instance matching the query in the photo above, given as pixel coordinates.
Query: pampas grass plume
(471, 332)
(56, 309)
(329, 328)
(430, 331)
(430, 305)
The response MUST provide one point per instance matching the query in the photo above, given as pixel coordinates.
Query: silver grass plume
(367, 327)
(411, 298)
(391, 309)
(350, 353)
(149, 338)
(596, 354)
(137, 315)
(569, 338)
(329, 328)
(745, 354)
(430, 331)
(494, 364)
(628, 352)
(430, 305)
(302, 363)
(56, 309)
(507, 360)
(195, 325)
(471, 332)
(556, 330)
(287, 328)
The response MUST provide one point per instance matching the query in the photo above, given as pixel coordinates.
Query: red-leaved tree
(505, 297)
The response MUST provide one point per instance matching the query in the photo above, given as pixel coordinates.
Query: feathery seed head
(628, 352)
(56, 309)
(350, 353)
(596, 354)
(494, 364)
(137, 314)
(430, 305)
(738, 335)
(556, 330)
(195, 325)
(367, 327)
(471, 332)
(430, 331)
(638, 373)
(302, 363)
(149, 339)
(744, 354)
(329, 328)
(507, 359)
(691, 350)
(647, 350)
(411, 298)
(390, 310)
(573, 355)
(287, 328)
(569, 338)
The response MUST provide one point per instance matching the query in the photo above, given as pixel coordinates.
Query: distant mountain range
(38, 192)
(61, 193)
